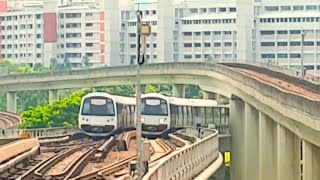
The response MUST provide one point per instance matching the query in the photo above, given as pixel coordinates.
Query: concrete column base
(12, 102)
(310, 161)
(53, 95)
(178, 90)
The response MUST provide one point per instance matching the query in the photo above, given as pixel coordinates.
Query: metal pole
(138, 102)
(301, 66)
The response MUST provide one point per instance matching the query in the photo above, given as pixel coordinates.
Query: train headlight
(161, 121)
(142, 120)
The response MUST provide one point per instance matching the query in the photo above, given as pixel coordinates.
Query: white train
(102, 114)
(160, 114)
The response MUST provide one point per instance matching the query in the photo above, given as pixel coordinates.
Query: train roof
(193, 102)
(125, 100)
(155, 95)
(103, 94)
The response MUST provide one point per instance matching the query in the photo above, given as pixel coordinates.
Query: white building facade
(81, 33)
(261, 30)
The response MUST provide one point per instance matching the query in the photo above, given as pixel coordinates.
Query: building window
(187, 33)
(89, 44)
(38, 55)
(295, 56)
(188, 56)
(154, 12)
(197, 33)
(233, 9)
(73, 15)
(89, 34)
(227, 32)
(295, 43)
(132, 35)
(207, 33)
(311, 8)
(73, 45)
(227, 56)
(222, 9)
(267, 43)
(295, 32)
(132, 45)
(272, 8)
(194, 10)
(266, 56)
(154, 45)
(217, 32)
(285, 8)
(154, 56)
(198, 56)
(89, 14)
(298, 8)
(267, 32)
(38, 16)
(212, 10)
(217, 56)
(38, 36)
(38, 45)
(308, 43)
(217, 44)
(318, 43)
(282, 55)
(89, 24)
(227, 44)
(282, 32)
(187, 44)
(207, 45)
(282, 43)
(197, 44)
(61, 16)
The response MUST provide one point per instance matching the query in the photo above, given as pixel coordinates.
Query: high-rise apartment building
(261, 30)
(81, 33)
(182, 30)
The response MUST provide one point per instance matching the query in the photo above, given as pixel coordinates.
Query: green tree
(86, 62)
(59, 114)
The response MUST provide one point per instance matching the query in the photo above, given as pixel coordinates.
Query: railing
(34, 133)
(188, 162)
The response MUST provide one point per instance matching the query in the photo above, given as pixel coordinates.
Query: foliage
(86, 62)
(60, 113)
(193, 91)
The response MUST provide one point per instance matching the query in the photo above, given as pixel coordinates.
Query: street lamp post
(138, 101)
(140, 32)
(301, 66)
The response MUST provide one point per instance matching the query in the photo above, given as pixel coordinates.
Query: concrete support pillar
(310, 161)
(237, 128)
(53, 95)
(266, 148)
(209, 95)
(251, 142)
(12, 102)
(288, 154)
(178, 90)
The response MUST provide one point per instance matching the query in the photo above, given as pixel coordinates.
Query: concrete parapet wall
(187, 162)
(11, 150)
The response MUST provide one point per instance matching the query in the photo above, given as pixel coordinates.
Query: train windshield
(154, 106)
(98, 106)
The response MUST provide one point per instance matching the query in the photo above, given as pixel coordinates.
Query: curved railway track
(87, 159)
(9, 120)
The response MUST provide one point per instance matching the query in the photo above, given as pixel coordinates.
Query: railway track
(8, 120)
(87, 159)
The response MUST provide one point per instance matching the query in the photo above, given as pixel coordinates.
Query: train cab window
(98, 106)
(154, 106)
